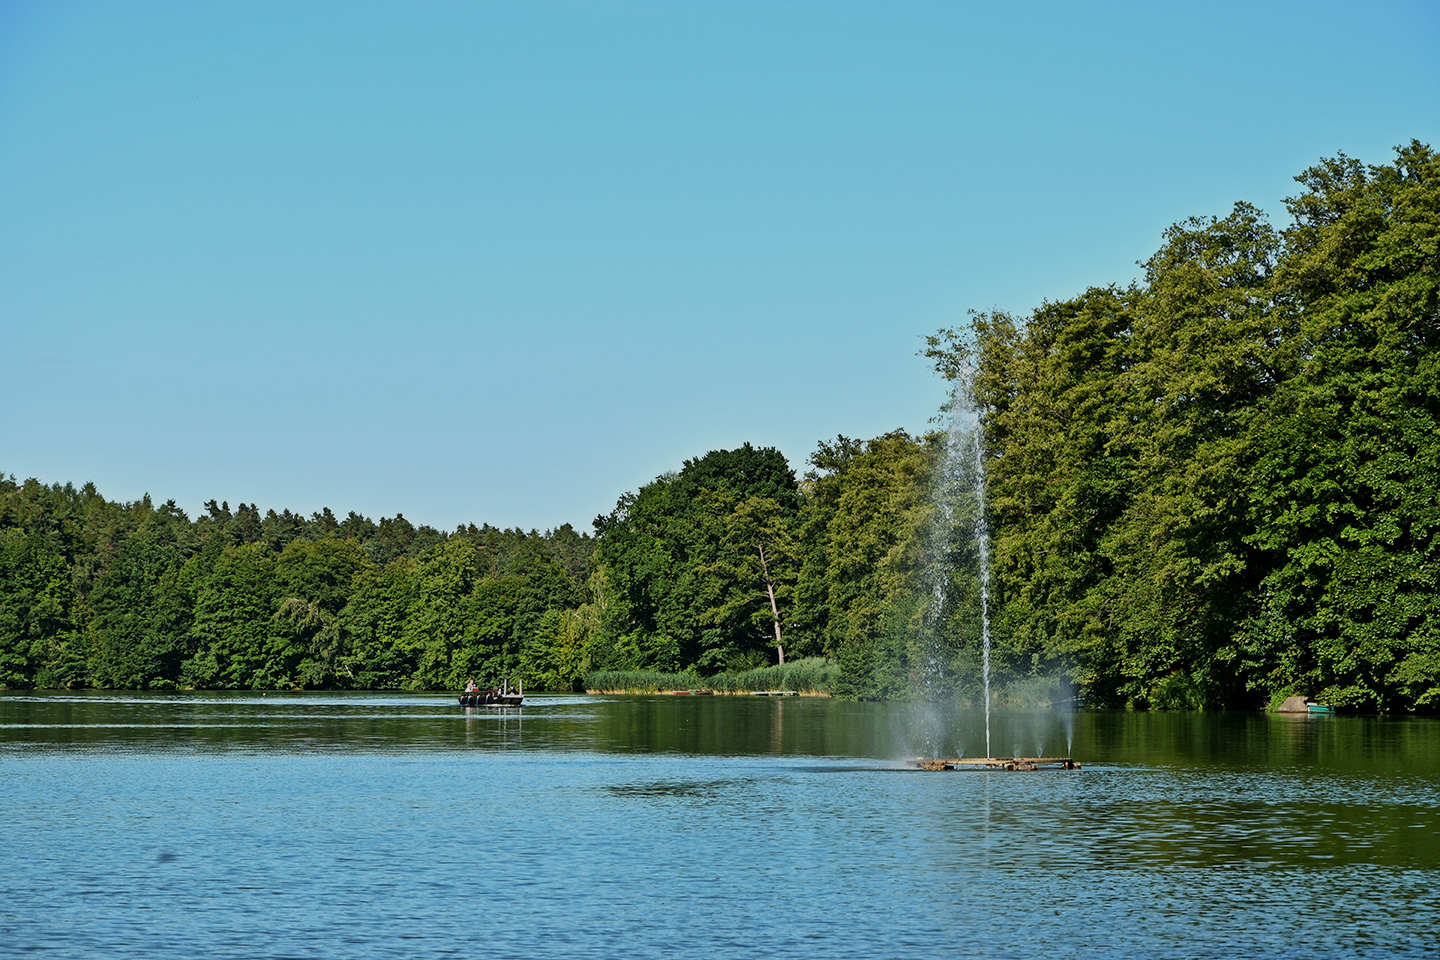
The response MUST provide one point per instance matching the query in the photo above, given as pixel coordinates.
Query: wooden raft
(997, 763)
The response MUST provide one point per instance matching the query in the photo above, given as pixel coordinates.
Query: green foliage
(810, 675)
(238, 642)
(730, 564)
(554, 656)
(1224, 482)
(691, 560)
(136, 596)
(40, 637)
(1211, 487)
(136, 627)
(1346, 501)
(642, 681)
(861, 586)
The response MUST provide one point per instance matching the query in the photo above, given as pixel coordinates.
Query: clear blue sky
(503, 262)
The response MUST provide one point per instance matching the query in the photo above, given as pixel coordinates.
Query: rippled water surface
(403, 826)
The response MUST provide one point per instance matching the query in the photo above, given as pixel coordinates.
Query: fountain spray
(965, 455)
(982, 542)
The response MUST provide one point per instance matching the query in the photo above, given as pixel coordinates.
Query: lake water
(402, 826)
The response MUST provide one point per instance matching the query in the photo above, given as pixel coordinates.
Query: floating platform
(501, 696)
(491, 698)
(997, 763)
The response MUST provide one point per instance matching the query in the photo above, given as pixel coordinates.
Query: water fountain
(962, 473)
(960, 500)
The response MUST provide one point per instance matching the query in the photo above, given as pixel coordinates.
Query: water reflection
(717, 726)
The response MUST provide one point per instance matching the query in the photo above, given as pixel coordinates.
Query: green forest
(1209, 488)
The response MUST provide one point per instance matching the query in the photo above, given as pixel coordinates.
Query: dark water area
(403, 826)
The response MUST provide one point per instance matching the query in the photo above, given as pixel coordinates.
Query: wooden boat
(501, 696)
(692, 693)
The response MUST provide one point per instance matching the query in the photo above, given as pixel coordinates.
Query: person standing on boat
(470, 687)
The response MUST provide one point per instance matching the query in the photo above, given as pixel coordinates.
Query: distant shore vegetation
(812, 676)
(1210, 488)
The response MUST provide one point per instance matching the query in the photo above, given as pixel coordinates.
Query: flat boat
(501, 696)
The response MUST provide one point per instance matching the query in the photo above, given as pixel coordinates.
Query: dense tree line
(1211, 487)
(733, 563)
(96, 593)
(727, 565)
(1222, 483)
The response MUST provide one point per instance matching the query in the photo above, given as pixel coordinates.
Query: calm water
(401, 826)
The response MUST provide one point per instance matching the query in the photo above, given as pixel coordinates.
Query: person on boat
(471, 687)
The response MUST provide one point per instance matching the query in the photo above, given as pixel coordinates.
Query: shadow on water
(678, 789)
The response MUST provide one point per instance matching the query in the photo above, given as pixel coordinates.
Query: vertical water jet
(962, 475)
(982, 542)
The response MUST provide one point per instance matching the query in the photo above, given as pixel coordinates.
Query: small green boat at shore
(1304, 705)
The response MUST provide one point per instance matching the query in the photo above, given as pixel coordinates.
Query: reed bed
(813, 675)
